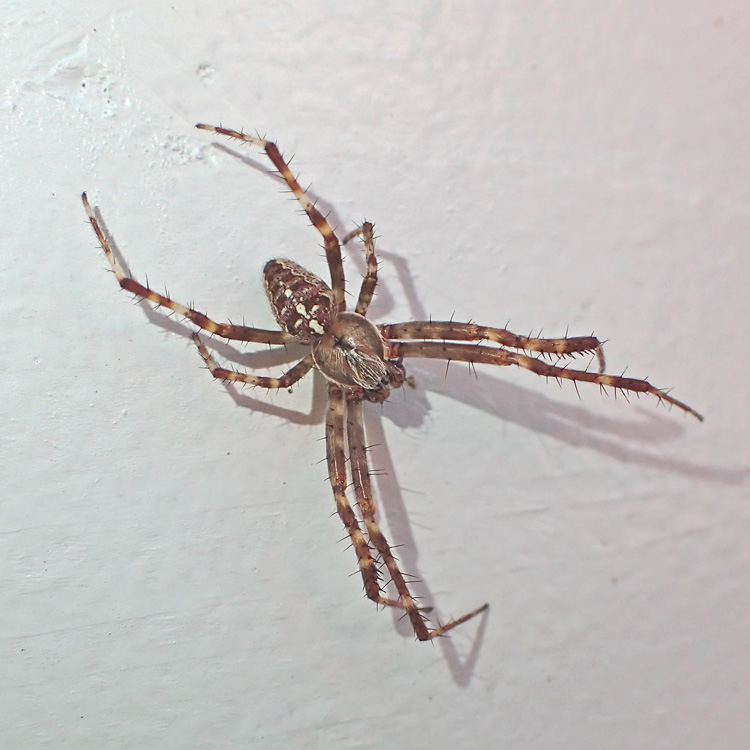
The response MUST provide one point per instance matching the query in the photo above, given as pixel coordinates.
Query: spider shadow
(390, 493)
(630, 439)
(633, 438)
(573, 424)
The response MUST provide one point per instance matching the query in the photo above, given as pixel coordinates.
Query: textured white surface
(172, 576)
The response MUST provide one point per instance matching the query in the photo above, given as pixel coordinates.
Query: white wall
(172, 576)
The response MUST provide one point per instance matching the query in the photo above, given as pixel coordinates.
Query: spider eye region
(345, 344)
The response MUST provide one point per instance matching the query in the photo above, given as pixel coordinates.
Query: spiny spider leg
(495, 356)
(361, 480)
(336, 459)
(370, 280)
(225, 330)
(330, 241)
(451, 331)
(289, 378)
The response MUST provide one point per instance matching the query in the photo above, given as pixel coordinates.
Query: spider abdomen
(303, 304)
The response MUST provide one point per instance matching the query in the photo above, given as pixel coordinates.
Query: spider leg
(336, 459)
(451, 331)
(225, 330)
(330, 241)
(363, 490)
(289, 378)
(371, 275)
(477, 353)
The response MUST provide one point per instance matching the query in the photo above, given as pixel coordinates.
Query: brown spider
(362, 362)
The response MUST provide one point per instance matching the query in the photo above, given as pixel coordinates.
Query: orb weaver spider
(361, 362)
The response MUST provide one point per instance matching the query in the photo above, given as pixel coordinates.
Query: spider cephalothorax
(352, 353)
(362, 362)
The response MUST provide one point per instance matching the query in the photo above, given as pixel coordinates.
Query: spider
(361, 362)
